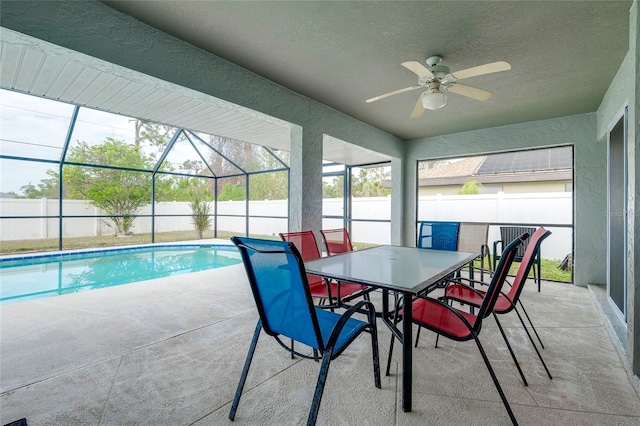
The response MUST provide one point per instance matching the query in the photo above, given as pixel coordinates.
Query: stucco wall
(589, 184)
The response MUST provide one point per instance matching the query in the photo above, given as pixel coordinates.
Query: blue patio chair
(279, 284)
(439, 235)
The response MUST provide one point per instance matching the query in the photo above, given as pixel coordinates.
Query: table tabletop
(406, 269)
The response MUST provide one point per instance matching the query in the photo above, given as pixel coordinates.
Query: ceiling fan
(438, 79)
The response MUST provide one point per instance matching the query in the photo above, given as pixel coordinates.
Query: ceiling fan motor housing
(432, 61)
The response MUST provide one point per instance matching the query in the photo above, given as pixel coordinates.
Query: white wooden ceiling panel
(30, 65)
(100, 88)
(127, 89)
(186, 113)
(64, 78)
(10, 59)
(82, 81)
(49, 72)
(149, 96)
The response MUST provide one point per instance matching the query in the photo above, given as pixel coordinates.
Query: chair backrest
(305, 242)
(499, 277)
(279, 284)
(336, 240)
(439, 235)
(530, 254)
(472, 236)
(508, 233)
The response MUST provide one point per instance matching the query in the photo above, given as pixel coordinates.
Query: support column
(397, 202)
(410, 191)
(305, 180)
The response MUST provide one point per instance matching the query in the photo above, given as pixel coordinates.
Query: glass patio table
(407, 270)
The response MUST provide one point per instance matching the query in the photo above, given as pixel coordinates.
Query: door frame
(622, 114)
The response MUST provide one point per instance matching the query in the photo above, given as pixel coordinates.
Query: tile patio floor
(170, 352)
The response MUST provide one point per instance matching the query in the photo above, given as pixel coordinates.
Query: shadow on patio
(170, 352)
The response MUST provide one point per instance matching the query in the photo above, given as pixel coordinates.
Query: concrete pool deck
(170, 351)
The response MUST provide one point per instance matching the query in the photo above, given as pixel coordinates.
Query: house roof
(521, 166)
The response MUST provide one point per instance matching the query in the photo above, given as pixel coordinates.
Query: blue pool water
(43, 275)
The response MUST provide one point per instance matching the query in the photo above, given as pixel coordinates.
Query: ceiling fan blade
(418, 110)
(418, 68)
(469, 91)
(395, 92)
(482, 70)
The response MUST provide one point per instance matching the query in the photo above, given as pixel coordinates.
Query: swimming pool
(42, 275)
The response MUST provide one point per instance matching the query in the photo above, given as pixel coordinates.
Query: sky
(36, 127)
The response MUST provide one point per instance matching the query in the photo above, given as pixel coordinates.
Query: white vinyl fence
(532, 208)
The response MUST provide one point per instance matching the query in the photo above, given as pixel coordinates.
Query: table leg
(407, 348)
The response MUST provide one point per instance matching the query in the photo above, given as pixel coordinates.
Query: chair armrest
(460, 279)
(357, 308)
(479, 293)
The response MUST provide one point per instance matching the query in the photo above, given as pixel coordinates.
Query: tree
(156, 134)
(47, 188)
(120, 193)
(232, 192)
(368, 183)
(471, 187)
(201, 209)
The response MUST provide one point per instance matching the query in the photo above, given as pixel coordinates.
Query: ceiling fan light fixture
(434, 100)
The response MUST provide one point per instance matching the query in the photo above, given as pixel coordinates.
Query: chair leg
(417, 337)
(533, 343)
(495, 380)
(393, 339)
(376, 357)
(538, 263)
(529, 319)
(437, 338)
(513, 355)
(245, 371)
(317, 396)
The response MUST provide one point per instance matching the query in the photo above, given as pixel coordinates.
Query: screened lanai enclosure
(78, 177)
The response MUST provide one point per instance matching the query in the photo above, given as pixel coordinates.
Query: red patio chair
(445, 320)
(306, 243)
(336, 240)
(507, 301)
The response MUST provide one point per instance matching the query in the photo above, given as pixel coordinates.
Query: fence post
(500, 206)
(44, 232)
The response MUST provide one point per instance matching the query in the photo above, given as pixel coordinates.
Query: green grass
(70, 243)
(550, 269)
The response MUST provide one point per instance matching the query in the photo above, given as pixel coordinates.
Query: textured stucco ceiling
(563, 54)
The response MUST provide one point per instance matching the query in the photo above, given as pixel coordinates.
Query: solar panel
(528, 161)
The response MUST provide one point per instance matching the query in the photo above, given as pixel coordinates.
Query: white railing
(528, 208)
